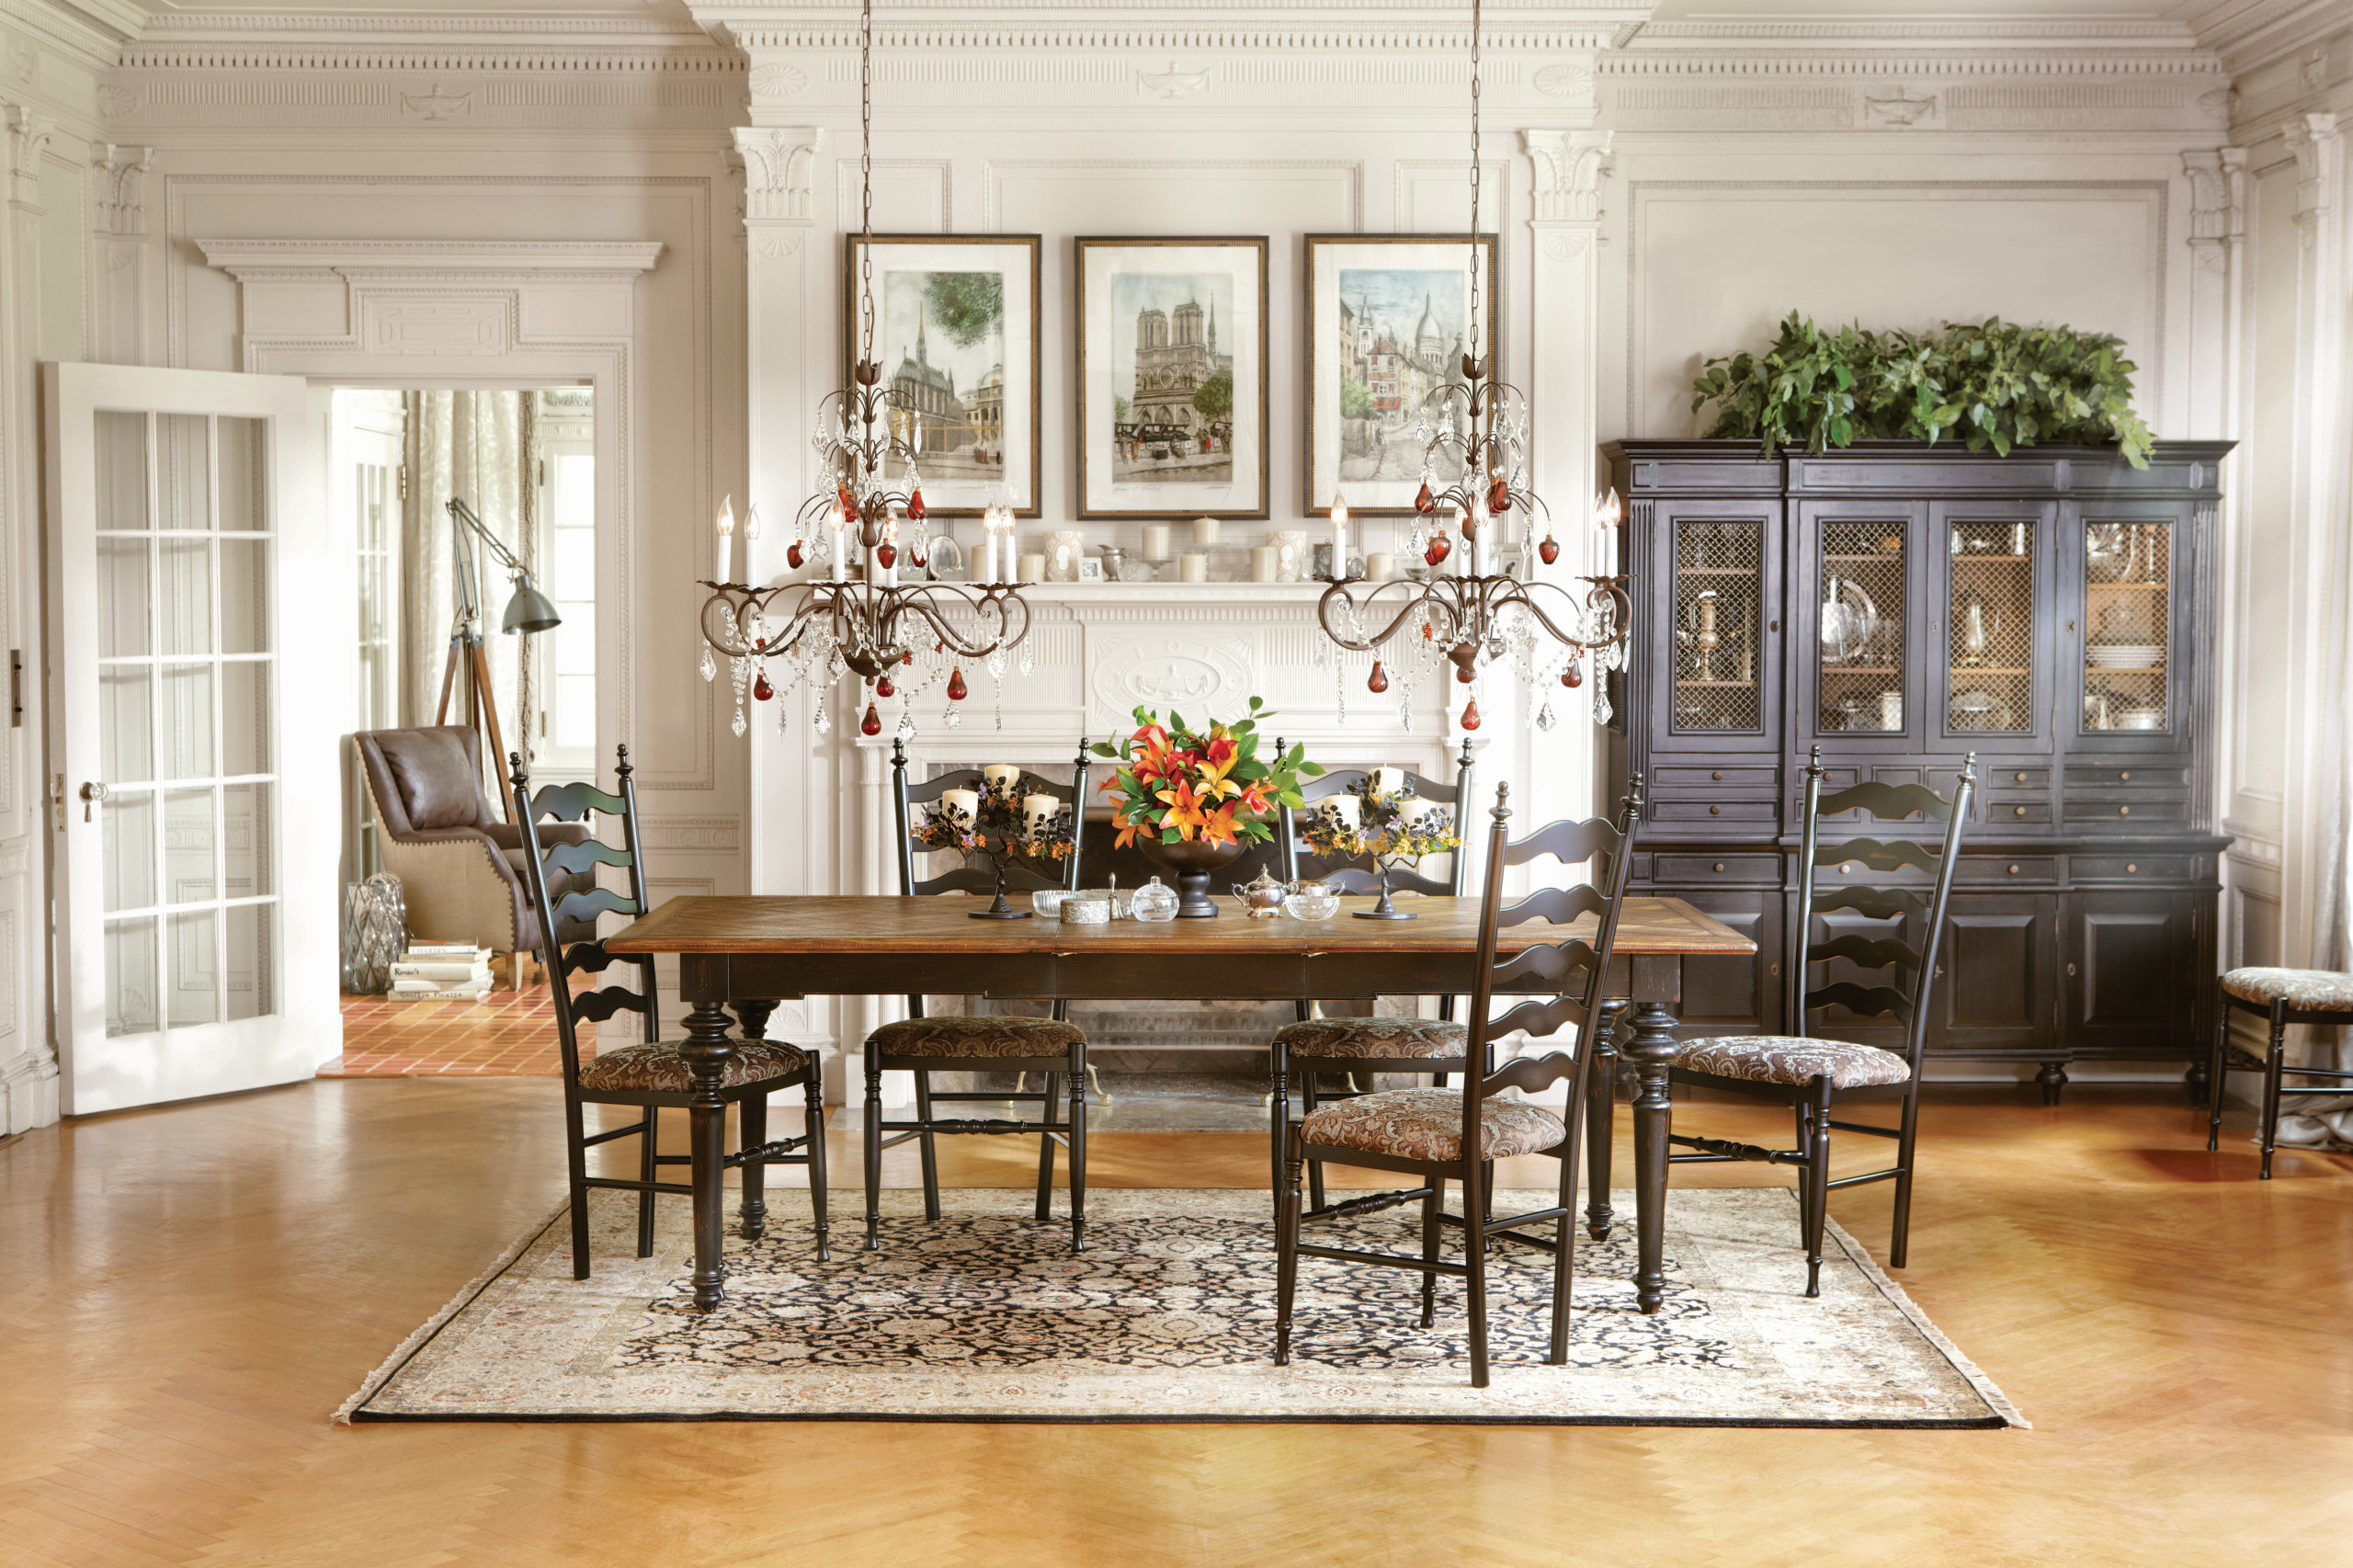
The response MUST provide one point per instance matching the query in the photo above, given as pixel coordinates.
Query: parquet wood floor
(189, 1292)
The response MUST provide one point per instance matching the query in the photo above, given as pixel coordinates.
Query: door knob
(92, 793)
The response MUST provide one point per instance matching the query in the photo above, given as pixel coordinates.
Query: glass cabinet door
(1719, 641)
(1858, 611)
(1992, 587)
(2128, 624)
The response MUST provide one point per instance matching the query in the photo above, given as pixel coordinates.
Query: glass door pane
(1861, 595)
(2128, 621)
(1989, 685)
(1718, 656)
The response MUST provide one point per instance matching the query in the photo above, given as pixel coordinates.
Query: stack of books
(442, 971)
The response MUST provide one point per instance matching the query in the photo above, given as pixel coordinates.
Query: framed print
(1385, 328)
(956, 334)
(1172, 378)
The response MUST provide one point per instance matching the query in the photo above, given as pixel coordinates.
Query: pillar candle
(1196, 567)
(1388, 781)
(1262, 563)
(1380, 566)
(1002, 776)
(1033, 567)
(1340, 811)
(1155, 541)
(1036, 811)
(964, 803)
(1204, 530)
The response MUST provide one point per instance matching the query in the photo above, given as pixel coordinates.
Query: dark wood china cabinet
(1900, 606)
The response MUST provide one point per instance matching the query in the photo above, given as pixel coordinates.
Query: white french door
(194, 726)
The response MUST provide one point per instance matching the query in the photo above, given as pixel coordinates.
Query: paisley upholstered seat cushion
(1427, 1124)
(2304, 990)
(959, 1034)
(659, 1068)
(1786, 1059)
(1373, 1037)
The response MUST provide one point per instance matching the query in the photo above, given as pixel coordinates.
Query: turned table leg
(1657, 983)
(708, 1049)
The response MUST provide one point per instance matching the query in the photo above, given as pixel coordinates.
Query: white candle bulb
(1607, 510)
(726, 540)
(1339, 539)
(751, 523)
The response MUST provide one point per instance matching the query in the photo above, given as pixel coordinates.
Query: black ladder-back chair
(1812, 1074)
(999, 1042)
(1437, 1135)
(649, 1075)
(2280, 997)
(1365, 1045)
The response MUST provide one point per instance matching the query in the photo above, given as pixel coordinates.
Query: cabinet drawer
(2011, 871)
(2133, 867)
(1675, 871)
(1711, 781)
(2009, 813)
(2159, 777)
(1711, 810)
(1997, 776)
(2158, 812)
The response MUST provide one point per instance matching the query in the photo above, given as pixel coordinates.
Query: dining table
(739, 956)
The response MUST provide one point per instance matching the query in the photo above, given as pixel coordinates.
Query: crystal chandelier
(1472, 616)
(899, 639)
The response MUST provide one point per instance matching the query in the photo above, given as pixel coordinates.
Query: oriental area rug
(1168, 1315)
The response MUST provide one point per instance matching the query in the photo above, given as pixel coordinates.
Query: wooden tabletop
(881, 925)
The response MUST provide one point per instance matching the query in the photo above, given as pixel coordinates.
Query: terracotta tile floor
(507, 1034)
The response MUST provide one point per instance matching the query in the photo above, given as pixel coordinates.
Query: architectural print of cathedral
(1401, 338)
(1175, 422)
(947, 385)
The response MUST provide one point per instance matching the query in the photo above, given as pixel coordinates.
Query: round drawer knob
(1715, 811)
(2129, 868)
(2124, 811)
(2014, 870)
(1717, 776)
(1720, 865)
(2126, 777)
(2019, 778)
(2017, 811)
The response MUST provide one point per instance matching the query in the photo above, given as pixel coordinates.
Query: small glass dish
(1048, 901)
(1153, 902)
(1086, 909)
(1312, 901)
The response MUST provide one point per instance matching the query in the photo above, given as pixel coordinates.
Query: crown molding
(90, 31)
(2271, 28)
(546, 261)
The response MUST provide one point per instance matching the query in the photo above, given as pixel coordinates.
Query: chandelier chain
(1471, 323)
(866, 180)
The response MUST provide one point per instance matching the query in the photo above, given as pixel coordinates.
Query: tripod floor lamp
(527, 610)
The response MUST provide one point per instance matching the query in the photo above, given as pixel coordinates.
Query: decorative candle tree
(1390, 827)
(1007, 817)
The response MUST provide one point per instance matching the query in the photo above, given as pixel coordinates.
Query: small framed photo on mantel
(1387, 324)
(955, 333)
(1172, 378)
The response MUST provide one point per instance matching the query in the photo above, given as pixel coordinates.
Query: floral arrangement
(997, 825)
(1391, 826)
(1176, 783)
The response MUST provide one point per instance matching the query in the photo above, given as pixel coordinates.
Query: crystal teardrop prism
(710, 665)
(741, 723)
(884, 688)
(761, 689)
(821, 720)
(1549, 550)
(955, 717)
(872, 723)
(1544, 719)
(957, 689)
(1471, 714)
(1379, 681)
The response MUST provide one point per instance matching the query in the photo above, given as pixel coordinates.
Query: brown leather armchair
(460, 868)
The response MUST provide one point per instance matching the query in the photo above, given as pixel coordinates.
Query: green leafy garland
(1993, 384)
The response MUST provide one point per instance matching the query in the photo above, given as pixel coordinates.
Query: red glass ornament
(884, 688)
(907, 658)
(1549, 550)
(1499, 496)
(1426, 634)
(1464, 674)
(1471, 714)
(792, 556)
(914, 506)
(957, 689)
(761, 689)
(887, 554)
(872, 723)
(1574, 677)
(1426, 502)
(915, 560)
(1379, 681)
(850, 507)
(1440, 548)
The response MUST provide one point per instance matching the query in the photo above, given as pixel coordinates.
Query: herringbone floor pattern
(189, 1292)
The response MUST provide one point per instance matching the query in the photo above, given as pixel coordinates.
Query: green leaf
(1313, 769)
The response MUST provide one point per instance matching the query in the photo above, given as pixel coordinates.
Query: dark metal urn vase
(1192, 861)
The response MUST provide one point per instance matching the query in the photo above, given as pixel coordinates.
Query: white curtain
(476, 446)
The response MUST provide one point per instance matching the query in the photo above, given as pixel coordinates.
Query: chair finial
(1466, 752)
(1502, 813)
(898, 750)
(1814, 764)
(1633, 795)
(620, 762)
(520, 779)
(1969, 769)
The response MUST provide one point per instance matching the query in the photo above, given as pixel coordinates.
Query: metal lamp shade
(529, 609)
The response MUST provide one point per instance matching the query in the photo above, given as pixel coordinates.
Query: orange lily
(1255, 799)
(1218, 827)
(1128, 830)
(1184, 810)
